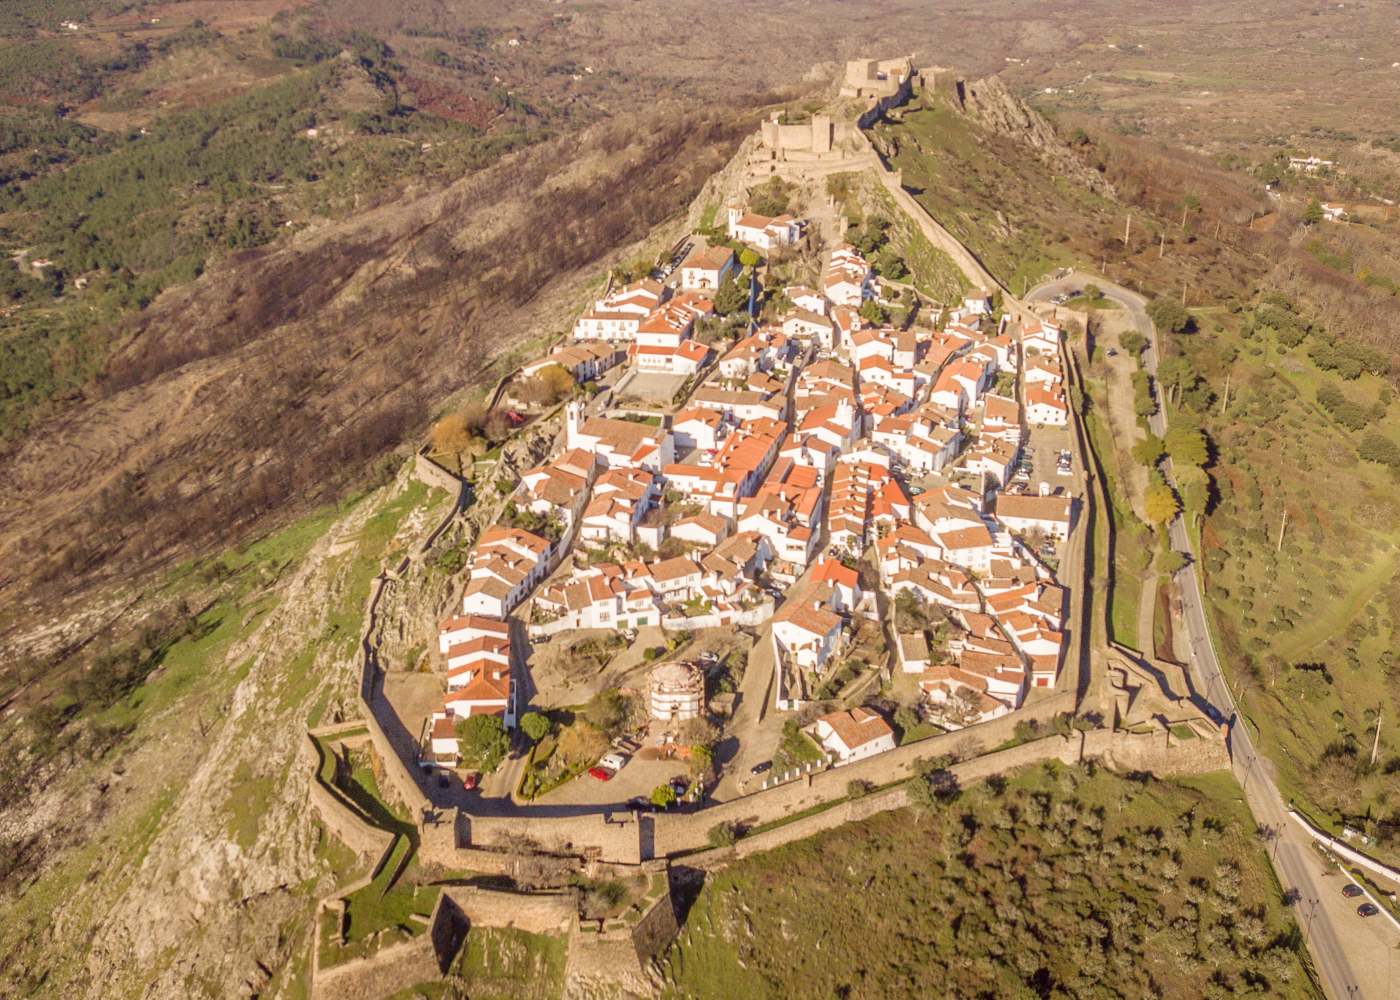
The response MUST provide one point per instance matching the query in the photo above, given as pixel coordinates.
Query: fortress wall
(1159, 753)
(537, 913)
(430, 473)
(353, 830)
(394, 968)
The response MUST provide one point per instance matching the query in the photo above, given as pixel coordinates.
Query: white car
(612, 761)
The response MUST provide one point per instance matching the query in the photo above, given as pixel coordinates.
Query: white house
(807, 632)
(706, 269)
(763, 232)
(1050, 514)
(1046, 407)
(853, 735)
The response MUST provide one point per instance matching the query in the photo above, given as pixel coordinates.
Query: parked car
(1351, 890)
(1112, 352)
(640, 803)
(1368, 909)
(613, 761)
(601, 773)
(679, 785)
(761, 767)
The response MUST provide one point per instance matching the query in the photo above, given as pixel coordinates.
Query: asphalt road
(1352, 960)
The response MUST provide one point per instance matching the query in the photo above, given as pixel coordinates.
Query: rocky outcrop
(998, 110)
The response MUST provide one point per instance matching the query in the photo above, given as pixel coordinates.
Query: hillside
(1055, 883)
(283, 235)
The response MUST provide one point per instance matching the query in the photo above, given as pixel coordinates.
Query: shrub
(535, 726)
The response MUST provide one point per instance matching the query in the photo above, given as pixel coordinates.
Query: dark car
(761, 767)
(639, 802)
(1351, 890)
(1368, 909)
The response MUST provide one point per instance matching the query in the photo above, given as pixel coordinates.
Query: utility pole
(1162, 247)
(1281, 525)
(1225, 401)
(1376, 746)
(1127, 229)
(1183, 293)
(1217, 228)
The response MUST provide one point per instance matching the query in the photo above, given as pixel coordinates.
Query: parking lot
(656, 388)
(637, 778)
(1043, 449)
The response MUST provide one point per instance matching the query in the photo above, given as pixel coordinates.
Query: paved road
(1352, 958)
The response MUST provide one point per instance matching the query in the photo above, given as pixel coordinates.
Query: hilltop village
(827, 479)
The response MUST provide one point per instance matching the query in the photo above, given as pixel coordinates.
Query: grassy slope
(991, 193)
(1329, 596)
(985, 898)
(199, 674)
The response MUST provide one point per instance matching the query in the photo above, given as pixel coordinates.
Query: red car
(601, 773)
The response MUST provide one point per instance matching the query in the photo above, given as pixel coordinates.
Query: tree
(1171, 561)
(607, 711)
(1312, 215)
(872, 312)
(701, 758)
(482, 741)
(1149, 450)
(1187, 445)
(1169, 315)
(454, 435)
(1376, 447)
(663, 796)
(722, 834)
(772, 197)
(1133, 342)
(1177, 375)
(1160, 503)
(535, 725)
(932, 785)
(1092, 292)
(729, 297)
(748, 257)
(858, 787)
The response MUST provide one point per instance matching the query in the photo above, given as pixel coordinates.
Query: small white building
(853, 735)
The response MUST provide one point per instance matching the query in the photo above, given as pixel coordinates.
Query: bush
(723, 834)
(858, 787)
(1347, 412)
(535, 726)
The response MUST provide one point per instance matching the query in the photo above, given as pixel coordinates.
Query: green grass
(1306, 631)
(991, 895)
(1131, 549)
(381, 913)
(497, 963)
(960, 173)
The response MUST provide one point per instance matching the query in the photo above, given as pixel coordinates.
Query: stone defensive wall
(347, 824)
(629, 839)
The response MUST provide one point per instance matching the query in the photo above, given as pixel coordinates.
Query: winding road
(1353, 955)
